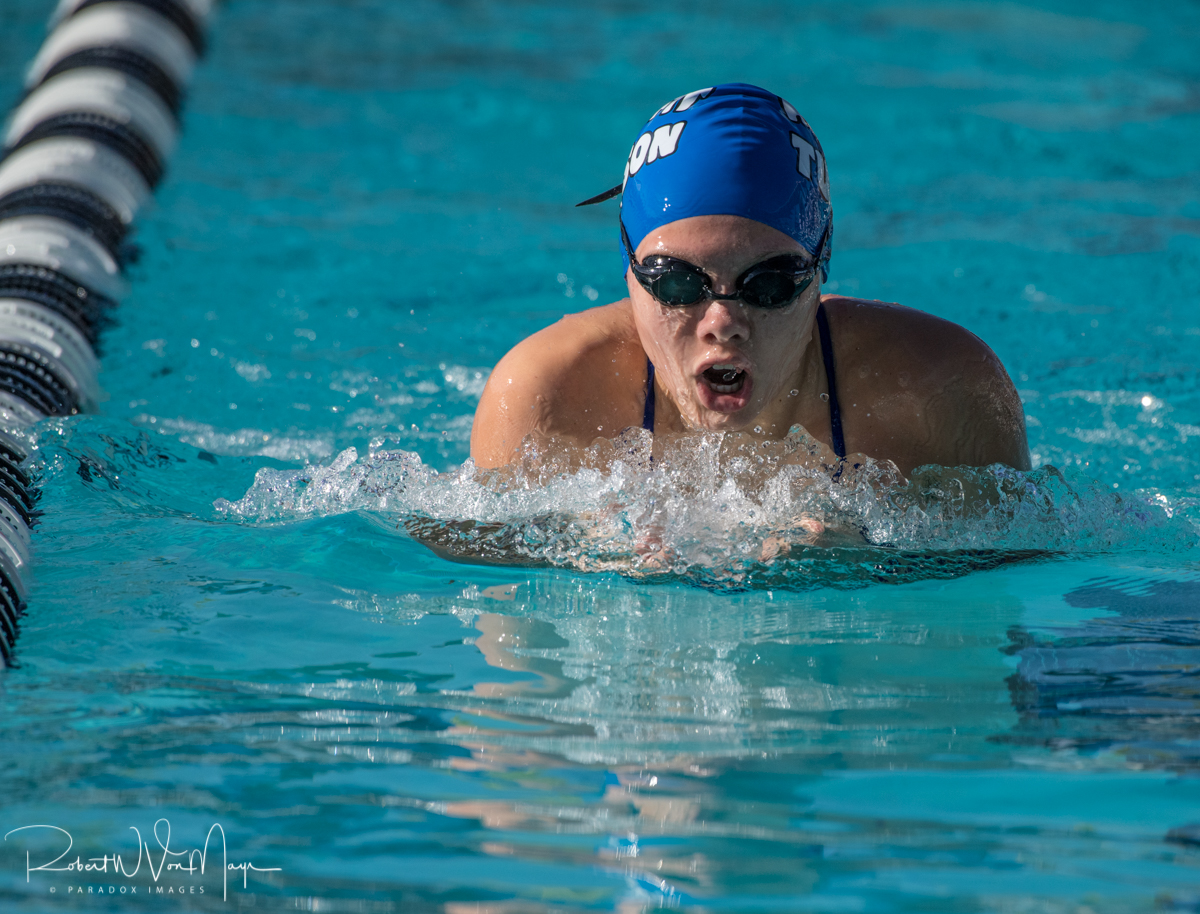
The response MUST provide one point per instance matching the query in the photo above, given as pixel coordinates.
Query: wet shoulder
(580, 378)
(559, 352)
(914, 349)
(918, 389)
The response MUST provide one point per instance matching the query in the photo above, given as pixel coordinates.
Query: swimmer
(726, 230)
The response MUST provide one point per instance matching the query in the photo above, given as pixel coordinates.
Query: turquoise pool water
(370, 204)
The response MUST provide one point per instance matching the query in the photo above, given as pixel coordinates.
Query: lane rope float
(82, 152)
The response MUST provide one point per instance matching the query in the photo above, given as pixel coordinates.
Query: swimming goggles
(774, 283)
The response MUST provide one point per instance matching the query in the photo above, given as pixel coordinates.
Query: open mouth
(724, 379)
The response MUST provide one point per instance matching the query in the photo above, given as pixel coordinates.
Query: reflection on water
(658, 674)
(845, 741)
(1127, 682)
(664, 738)
(537, 740)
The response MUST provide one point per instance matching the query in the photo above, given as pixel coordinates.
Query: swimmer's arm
(564, 382)
(983, 420)
(938, 395)
(517, 400)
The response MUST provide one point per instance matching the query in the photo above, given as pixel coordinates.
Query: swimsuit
(648, 409)
(835, 413)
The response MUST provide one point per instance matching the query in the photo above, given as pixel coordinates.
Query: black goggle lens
(678, 283)
(772, 289)
(678, 287)
(768, 289)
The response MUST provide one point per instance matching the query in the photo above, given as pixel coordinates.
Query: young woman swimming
(727, 231)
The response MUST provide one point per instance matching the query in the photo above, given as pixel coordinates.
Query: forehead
(719, 242)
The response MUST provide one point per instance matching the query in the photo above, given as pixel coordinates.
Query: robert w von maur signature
(195, 859)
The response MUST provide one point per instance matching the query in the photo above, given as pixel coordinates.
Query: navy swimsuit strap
(648, 409)
(835, 413)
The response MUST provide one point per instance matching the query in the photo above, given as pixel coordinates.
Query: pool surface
(230, 621)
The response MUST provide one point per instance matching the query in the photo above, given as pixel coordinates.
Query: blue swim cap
(733, 149)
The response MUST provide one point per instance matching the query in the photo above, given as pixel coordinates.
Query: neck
(803, 407)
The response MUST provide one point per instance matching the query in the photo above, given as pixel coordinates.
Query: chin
(713, 421)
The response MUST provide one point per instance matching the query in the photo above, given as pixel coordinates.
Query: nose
(724, 320)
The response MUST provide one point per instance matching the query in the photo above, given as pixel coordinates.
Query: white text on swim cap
(684, 102)
(806, 154)
(791, 113)
(653, 146)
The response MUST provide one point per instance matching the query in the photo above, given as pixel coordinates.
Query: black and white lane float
(82, 152)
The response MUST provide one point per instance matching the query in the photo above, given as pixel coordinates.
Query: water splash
(723, 510)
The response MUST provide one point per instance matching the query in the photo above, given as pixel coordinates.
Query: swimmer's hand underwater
(725, 327)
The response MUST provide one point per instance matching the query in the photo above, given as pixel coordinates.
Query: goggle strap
(600, 198)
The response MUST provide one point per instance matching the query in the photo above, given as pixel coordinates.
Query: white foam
(713, 506)
(243, 442)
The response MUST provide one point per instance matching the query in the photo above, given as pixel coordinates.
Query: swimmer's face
(723, 362)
